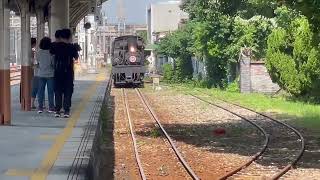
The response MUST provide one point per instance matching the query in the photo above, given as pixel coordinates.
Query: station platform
(40, 146)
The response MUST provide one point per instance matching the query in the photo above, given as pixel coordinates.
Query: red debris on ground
(219, 132)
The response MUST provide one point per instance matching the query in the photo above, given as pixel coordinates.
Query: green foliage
(168, 72)
(233, 87)
(181, 73)
(250, 33)
(208, 10)
(310, 9)
(183, 69)
(177, 45)
(143, 34)
(210, 42)
(292, 58)
(285, 16)
(271, 28)
(155, 133)
(219, 43)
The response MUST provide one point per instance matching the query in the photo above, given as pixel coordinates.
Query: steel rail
(134, 140)
(153, 114)
(302, 149)
(257, 155)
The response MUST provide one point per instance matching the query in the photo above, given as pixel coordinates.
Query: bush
(168, 72)
(183, 69)
(233, 87)
(293, 59)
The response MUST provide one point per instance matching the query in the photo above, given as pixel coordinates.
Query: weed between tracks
(155, 133)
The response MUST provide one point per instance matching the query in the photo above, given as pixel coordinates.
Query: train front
(128, 60)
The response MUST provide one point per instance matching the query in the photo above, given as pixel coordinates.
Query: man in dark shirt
(64, 55)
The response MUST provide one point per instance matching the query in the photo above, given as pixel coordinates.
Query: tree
(293, 58)
(310, 9)
(222, 28)
(143, 34)
(206, 10)
(210, 44)
(177, 45)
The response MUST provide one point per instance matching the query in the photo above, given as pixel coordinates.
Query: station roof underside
(78, 8)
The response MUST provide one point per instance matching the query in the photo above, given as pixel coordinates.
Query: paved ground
(43, 147)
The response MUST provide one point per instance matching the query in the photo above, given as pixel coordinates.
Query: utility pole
(85, 41)
(121, 18)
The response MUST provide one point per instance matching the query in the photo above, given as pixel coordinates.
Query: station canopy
(78, 8)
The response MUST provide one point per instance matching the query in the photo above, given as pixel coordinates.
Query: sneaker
(40, 111)
(57, 114)
(66, 115)
(51, 110)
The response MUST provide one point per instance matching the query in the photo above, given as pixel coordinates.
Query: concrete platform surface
(39, 147)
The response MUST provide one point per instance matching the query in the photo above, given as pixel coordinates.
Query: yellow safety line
(42, 172)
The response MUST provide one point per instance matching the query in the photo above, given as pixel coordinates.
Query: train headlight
(132, 59)
(132, 49)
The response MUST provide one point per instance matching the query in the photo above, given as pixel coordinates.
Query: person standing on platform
(64, 55)
(46, 74)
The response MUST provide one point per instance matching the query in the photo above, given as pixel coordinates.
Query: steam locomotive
(127, 57)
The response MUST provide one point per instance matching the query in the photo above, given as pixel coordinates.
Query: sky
(135, 10)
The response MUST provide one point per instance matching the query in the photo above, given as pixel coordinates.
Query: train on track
(128, 60)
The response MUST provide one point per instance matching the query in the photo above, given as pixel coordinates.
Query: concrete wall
(254, 77)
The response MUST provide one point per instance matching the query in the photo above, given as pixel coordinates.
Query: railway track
(153, 116)
(282, 148)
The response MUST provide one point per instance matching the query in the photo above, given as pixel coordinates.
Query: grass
(155, 133)
(302, 114)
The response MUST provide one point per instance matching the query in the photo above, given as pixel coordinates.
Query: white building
(162, 18)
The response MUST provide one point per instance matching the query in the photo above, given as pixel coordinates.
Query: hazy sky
(135, 10)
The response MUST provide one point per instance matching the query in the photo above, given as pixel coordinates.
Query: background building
(162, 18)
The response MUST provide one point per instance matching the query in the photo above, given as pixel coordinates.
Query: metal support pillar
(26, 68)
(59, 16)
(5, 94)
